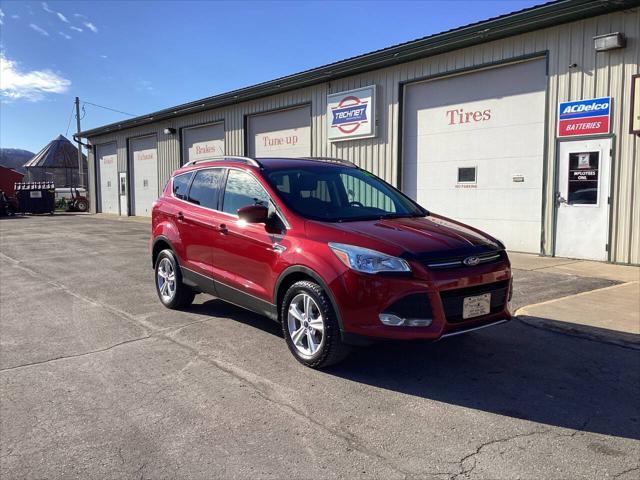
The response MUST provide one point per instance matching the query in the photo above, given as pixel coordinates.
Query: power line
(70, 117)
(108, 108)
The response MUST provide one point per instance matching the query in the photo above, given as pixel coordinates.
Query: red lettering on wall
(458, 116)
(268, 141)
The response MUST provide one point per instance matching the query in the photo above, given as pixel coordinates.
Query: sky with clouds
(140, 56)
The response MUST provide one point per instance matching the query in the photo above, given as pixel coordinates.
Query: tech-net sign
(351, 114)
(584, 117)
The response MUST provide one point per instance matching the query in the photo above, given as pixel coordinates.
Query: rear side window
(181, 185)
(205, 188)
(242, 190)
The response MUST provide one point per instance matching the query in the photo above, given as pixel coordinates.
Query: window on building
(242, 190)
(466, 174)
(205, 188)
(181, 185)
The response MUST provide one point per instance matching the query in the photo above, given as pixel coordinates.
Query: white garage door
(203, 142)
(108, 172)
(286, 133)
(473, 149)
(144, 161)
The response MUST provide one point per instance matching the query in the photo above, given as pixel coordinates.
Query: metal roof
(526, 20)
(58, 153)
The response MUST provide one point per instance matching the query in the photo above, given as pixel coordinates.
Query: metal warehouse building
(524, 125)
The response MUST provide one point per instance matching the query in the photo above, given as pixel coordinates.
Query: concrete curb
(622, 339)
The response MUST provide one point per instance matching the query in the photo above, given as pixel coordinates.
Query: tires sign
(351, 114)
(584, 117)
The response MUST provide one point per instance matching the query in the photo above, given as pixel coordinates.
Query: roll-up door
(202, 142)
(107, 156)
(473, 149)
(144, 167)
(285, 133)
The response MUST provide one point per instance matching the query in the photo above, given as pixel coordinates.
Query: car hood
(422, 237)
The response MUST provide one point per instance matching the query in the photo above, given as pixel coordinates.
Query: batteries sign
(584, 117)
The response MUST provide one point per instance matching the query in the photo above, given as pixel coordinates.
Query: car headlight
(368, 261)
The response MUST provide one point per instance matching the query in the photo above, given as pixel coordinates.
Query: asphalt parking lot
(98, 380)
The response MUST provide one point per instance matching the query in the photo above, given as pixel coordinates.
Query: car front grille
(458, 261)
(452, 300)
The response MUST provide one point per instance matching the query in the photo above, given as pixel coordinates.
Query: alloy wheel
(166, 280)
(306, 325)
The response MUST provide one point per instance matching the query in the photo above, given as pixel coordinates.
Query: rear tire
(310, 326)
(173, 293)
(82, 205)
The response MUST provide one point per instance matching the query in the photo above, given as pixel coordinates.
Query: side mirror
(254, 214)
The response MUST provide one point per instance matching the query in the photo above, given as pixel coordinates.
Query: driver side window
(242, 190)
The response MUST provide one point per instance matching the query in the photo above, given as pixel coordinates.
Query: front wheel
(172, 292)
(310, 326)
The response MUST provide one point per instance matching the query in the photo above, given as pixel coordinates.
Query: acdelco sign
(584, 117)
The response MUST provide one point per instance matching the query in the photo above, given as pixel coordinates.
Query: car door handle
(222, 228)
(180, 217)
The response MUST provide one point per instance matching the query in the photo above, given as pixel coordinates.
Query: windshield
(340, 194)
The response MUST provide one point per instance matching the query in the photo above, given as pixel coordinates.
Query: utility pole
(80, 169)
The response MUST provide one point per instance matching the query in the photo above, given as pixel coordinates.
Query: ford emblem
(471, 261)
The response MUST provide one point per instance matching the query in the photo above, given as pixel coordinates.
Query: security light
(169, 131)
(610, 41)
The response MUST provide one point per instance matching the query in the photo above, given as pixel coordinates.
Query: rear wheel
(172, 292)
(310, 326)
(82, 205)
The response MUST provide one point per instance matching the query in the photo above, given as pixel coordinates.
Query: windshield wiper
(400, 215)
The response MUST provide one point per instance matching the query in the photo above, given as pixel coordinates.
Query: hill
(15, 158)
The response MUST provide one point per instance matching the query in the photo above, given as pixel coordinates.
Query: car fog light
(395, 321)
(391, 319)
(418, 322)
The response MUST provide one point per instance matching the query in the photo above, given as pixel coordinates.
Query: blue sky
(141, 56)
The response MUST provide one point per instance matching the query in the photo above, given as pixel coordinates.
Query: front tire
(173, 293)
(310, 326)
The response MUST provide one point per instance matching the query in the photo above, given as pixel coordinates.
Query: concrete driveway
(98, 380)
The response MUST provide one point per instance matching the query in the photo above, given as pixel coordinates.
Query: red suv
(333, 253)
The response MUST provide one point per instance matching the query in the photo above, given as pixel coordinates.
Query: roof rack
(339, 161)
(225, 158)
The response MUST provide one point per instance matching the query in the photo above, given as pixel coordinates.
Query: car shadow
(514, 370)
(219, 308)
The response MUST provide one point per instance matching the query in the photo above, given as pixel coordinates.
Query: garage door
(144, 162)
(286, 133)
(108, 173)
(203, 142)
(473, 149)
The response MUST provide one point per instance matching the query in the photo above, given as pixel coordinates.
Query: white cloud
(79, 15)
(38, 29)
(91, 26)
(15, 16)
(1, 17)
(30, 85)
(145, 86)
(68, 37)
(46, 8)
(77, 29)
(62, 17)
(103, 56)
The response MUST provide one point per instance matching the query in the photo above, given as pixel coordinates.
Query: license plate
(476, 306)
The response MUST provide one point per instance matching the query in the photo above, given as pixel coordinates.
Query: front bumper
(362, 298)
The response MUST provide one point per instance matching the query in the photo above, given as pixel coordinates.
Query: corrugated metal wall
(596, 75)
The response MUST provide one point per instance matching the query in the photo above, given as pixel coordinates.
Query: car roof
(265, 162)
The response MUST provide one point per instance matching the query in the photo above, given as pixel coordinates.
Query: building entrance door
(582, 199)
(124, 210)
